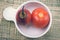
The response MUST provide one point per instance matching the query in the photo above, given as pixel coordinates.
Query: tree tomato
(26, 19)
(40, 18)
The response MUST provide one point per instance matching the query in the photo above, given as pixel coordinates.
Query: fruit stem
(23, 11)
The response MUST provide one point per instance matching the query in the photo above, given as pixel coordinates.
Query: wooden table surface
(8, 30)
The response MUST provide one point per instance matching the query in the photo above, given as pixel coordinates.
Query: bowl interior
(29, 30)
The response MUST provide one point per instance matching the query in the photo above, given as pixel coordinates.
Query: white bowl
(30, 31)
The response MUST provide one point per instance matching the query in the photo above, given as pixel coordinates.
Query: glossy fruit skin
(40, 18)
(25, 20)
